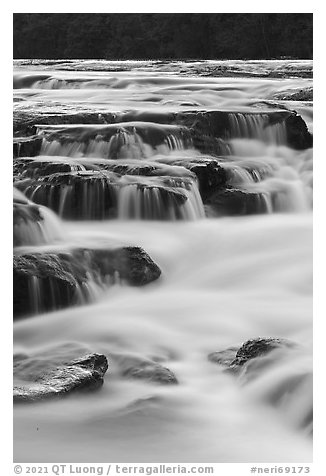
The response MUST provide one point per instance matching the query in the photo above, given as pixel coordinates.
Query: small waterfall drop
(34, 224)
(256, 126)
(115, 141)
(160, 201)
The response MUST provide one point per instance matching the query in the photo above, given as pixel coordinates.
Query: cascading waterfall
(256, 126)
(34, 225)
(103, 195)
(279, 173)
(118, 142)
(198, 169)
(180, 200)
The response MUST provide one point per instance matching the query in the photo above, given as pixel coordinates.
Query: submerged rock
(81, 374)
(223, 357)
(257, 348)
(144, 369)
(233, 202)
(234, 358)
(275, 371)
(305, 94)
(52, 280)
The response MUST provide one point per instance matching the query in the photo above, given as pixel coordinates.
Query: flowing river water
(234, 267)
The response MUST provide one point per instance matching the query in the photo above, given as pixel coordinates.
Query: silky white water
(224, 280)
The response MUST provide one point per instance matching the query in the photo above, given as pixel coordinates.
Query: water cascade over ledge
(162, 261)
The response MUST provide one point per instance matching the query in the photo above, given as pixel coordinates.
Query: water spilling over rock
(33, 224)
(54, 280)
(208, 167)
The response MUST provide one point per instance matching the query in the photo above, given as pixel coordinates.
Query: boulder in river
(234, 358)
(31, 383)
(235, 202)
(298, 135)
(55, 280)
(258, 347)
(304, 94)
(275, 371)
(136, 367)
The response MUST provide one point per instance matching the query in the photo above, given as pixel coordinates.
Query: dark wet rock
(158, 168)
(298, 135)
(44, 282)
(121, 168)
(305, 94)
(206, 124)
(211, 176)
(158, 117)
(144, 369)
(35, 168)
(27, 146)
(48, 281)
(257, 348)
(32, 383)
(234, 358)
(137, 267)
(234, 202)
(84, 195)
(93, 195)
(210, 128)
(220, 124)
(207, 131)
(25, 122)
(42, 166)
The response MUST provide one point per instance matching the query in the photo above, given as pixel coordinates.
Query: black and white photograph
(162, 239)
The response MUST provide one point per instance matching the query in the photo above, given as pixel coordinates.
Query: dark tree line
(162, 35)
